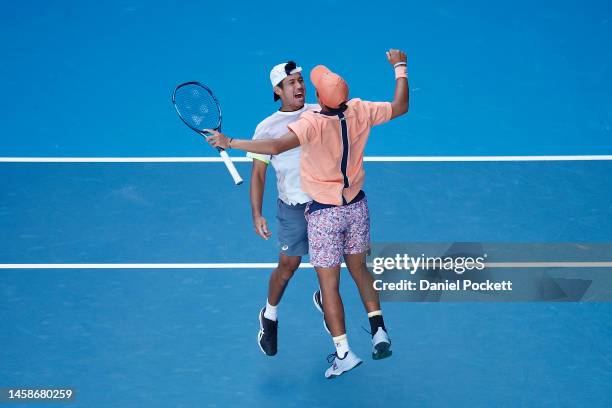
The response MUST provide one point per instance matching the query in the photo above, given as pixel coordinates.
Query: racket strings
(197, 107)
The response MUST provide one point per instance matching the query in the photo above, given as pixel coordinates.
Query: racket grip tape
(230, 167)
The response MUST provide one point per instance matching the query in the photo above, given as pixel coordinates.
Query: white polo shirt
(286, 164)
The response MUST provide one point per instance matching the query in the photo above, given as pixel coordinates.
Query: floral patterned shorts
(336, 231)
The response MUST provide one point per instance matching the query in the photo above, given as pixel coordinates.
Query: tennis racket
(199, 109)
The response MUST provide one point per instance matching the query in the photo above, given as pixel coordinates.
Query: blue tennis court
(132, 274)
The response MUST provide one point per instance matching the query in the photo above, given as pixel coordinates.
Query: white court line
(270, 265)
(484, 158)
(246, 159)
(260, 265)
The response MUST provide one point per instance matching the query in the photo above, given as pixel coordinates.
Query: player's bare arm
(258, 183)
(270, 146)
(398, 60)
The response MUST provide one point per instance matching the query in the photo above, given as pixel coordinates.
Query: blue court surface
(93, 80)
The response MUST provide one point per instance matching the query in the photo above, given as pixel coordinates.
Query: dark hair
(289, 66)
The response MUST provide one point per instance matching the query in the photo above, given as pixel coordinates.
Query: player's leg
(343, 359)
(326, 237)
(381, 344)
(280, 277)
(357, 244)
(356, 264)
(333, 308)
(293, 241)
(267, 338)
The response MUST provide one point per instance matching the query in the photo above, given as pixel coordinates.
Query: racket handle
(230, 167)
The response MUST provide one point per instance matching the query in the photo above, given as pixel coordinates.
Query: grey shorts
(292, 229)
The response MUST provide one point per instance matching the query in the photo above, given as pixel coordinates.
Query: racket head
(197, 106)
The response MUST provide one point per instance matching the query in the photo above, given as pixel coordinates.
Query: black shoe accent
(267, 337)
(375, 323)
(316, 298)
(332, 356)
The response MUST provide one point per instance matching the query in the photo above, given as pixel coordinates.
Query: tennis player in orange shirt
(331, 166)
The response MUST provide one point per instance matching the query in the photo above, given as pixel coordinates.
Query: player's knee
(285, 274)
(287, 267)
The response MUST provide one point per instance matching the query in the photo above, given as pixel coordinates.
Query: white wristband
(400, 72)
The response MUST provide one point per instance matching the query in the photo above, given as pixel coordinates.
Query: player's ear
(277, 90)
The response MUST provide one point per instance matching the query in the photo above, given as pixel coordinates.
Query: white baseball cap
(282, 71)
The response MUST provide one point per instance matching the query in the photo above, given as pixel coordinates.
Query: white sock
(342, 346)
(271, 312)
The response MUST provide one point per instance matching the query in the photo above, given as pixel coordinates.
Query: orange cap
(333, 90)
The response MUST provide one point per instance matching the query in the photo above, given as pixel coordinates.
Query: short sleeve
(379, 112)
(303, 129)
(260, 134)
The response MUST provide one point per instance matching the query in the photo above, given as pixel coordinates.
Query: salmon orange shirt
(332, 144)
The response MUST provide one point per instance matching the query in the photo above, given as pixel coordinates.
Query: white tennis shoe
(341, 365)
(381, 345)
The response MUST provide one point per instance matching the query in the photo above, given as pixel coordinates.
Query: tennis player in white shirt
(288, 86)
